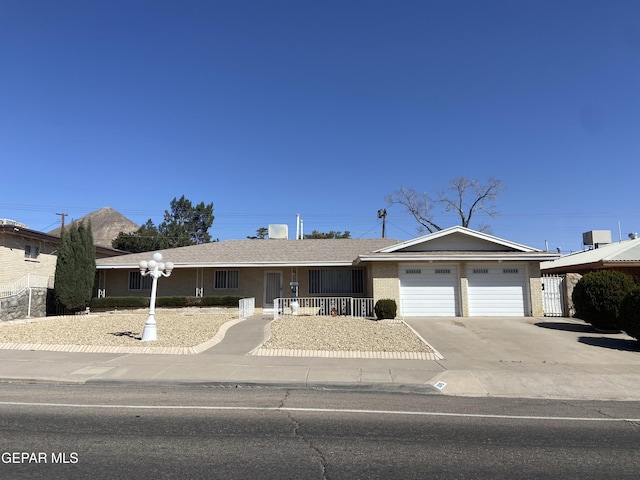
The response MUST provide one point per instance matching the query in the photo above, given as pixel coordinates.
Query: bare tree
(464, 197)
(417, 204)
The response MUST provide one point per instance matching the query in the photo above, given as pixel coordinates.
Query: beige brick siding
(387, 285)
(250, 282)
(15, 265)
(381, 281)
(535, 289)
(463, 303)
(385, 281)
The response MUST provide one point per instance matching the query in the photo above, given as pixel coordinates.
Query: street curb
(425, 389)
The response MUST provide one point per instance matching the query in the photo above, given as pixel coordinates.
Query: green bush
(385, 308)
(119, 302)
(221, 301)
(171, 301)
(597, 297)
(630, 313)
(108, 303)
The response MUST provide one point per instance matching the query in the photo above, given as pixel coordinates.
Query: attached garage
(428, 290)
(459, 272)
(497, 290)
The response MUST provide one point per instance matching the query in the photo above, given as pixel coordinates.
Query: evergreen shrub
(630, 313)
(597, 297)
(108, 303)
(385, 308)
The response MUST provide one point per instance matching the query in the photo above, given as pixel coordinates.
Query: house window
(336, 282)
(510, 270)
(31, 251)
(138, 282)
(226, 279)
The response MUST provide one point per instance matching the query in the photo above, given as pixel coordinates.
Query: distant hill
(106, 224)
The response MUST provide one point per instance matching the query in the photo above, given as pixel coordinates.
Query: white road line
(318, 410)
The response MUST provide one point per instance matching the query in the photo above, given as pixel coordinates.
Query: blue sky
(273, 108)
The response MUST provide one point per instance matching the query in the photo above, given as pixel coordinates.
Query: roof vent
(633, 235)
(596, 237)
(279, 231)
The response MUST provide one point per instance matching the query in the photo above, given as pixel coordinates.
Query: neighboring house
(622, 256)
(453, 272)
(24, 251)
(28, 260)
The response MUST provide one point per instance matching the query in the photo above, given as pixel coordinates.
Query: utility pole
(62, 227)
(382, 213)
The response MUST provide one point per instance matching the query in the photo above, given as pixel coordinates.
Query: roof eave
(454, 257)
(234, 265)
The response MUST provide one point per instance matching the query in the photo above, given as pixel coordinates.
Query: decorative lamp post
(156, 269)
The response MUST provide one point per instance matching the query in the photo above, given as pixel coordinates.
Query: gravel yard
(175, 329)
(192, 327)
(343, 334)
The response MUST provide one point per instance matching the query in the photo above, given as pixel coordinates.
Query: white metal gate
(552, 298)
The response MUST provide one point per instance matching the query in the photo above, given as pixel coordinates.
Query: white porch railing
(28, 281)
(330, 306)
(246, 307)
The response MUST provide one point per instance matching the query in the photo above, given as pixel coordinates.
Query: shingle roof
(258, 252)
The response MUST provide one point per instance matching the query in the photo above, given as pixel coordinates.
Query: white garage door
(497, 291)
(428, 291)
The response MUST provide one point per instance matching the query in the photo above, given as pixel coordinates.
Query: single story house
(452, 272)
(623, 256)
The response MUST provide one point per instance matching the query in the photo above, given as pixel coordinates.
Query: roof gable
(458, 239)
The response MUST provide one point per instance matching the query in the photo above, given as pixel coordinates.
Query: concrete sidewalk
(510, 357)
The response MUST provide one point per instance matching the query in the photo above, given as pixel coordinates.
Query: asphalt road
(104, 432)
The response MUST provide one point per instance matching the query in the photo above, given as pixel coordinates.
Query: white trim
(233, 265)
(455, 257)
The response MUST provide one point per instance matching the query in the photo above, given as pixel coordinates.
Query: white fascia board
(453, 257)
(235, 265)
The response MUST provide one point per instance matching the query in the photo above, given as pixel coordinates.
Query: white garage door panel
(497, 291)
(428, 291)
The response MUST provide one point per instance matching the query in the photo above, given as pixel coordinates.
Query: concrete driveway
(545, 357)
